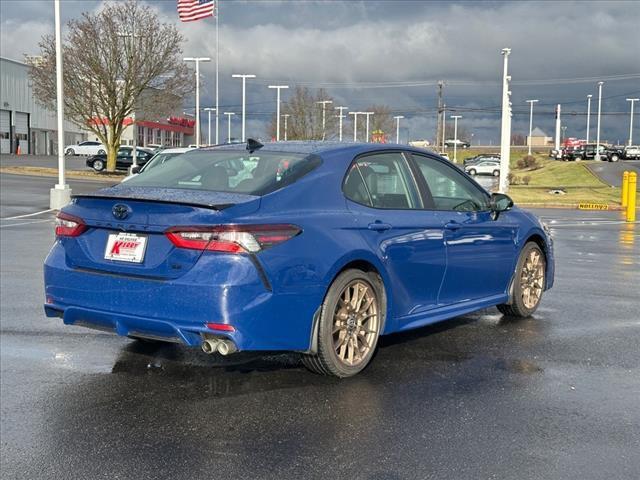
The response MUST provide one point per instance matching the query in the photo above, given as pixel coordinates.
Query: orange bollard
(631, 197)
(625, 187)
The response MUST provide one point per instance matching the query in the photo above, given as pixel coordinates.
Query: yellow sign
(593, 206)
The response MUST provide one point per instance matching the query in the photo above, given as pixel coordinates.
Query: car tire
(70, 152)
(101, 152)
(349, 326)
(472, 172)
(528, 284)
(615, 158)
(98, 165)
(496, 173)
(577, 158)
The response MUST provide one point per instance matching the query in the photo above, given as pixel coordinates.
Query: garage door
(5, 131)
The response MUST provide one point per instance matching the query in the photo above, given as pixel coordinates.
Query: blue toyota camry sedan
(317, 248)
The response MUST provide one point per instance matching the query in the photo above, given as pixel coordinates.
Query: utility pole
(440, 120)
(367, 114)
(286, 117)
(208, 109)
(558, 127)
(278, 88)
(444, 127)
(398, 117)
(197, 60)
(355, 125)
(505, 137)
(324, 103)
(244, 100)
(60, 195)
(531, 102)
(229, 114)
(597, 155)
(632, 100)
(340, 117)
(455, 137)
(588, 114)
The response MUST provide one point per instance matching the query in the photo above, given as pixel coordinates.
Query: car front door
(481, 251)
(124, 158)
(382, 193)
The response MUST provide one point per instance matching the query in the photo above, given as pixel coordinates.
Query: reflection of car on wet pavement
(314, 248)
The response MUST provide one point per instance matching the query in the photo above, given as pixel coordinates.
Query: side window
(450, 189)
(382, 180)
(123, 152)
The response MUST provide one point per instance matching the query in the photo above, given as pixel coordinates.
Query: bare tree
(120, 60)
(305, 122)
(463, 132)
(381, 120)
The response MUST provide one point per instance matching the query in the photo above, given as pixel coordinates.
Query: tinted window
(229, 171)
(382, 181)
(450, 189)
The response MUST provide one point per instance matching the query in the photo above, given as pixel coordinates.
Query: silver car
(484, 167)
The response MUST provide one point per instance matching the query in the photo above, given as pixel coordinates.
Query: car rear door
(382, 193)
(481, 251)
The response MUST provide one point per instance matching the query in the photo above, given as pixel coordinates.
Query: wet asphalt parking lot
(556, 396)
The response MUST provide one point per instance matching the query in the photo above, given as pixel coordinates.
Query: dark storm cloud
(382, 41)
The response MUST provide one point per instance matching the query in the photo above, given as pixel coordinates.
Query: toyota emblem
(120, 211)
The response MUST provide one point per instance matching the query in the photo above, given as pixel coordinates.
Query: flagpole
(217, 12)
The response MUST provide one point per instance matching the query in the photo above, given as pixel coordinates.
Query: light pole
(505, 136)
(324, 103)
(134, 127)
(444, 127)
(564, 133)
(588, 115)
(209, 109)
(455, 137)
(229, 114)
(278, 88)
(340, 117)
(368, 114)
(398, 117)
(286, 117)
(597, 156)
(244, 98)
(530, 122)
(355, 125)
(60, 195)
(632, 100)
(197, 61)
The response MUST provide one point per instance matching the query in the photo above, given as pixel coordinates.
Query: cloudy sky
(362, 50)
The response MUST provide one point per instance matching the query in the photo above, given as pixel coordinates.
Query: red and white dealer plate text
(126, 247)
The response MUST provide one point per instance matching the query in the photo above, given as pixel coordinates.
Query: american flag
(190, 10)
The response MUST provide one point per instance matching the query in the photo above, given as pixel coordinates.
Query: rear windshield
(159, 159)
(228, 171)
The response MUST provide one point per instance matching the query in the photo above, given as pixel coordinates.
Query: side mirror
(500, 202)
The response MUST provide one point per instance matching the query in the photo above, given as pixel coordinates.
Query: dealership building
(25, 124)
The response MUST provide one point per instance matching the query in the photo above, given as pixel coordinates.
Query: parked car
(420, 143)
(124, 159)
(614, 152)
(631, 152)
(85, 148)
(321, 248)
(484, 167)
(481, 157)
(583, 152)
(158, 159)
(459, 143)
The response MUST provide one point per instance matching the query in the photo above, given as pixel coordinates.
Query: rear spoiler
(202, 204)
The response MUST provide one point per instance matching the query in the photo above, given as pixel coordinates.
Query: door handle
(379, 226)
(452, 226)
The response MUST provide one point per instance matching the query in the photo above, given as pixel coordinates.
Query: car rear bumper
(177, 310)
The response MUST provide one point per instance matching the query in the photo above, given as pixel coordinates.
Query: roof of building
(537, 132)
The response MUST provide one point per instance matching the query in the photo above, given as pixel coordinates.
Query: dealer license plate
(126, 247)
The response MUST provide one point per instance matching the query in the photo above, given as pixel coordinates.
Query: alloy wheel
(532, 279)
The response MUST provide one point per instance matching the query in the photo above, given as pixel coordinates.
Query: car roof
(176, 150)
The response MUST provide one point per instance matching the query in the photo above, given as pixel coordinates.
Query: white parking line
(25, 223)
(28, 215)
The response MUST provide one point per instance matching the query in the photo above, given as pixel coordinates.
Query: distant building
(539, 139)
(23, 122)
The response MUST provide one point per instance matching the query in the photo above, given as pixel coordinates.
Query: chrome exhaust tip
(226, 347)
(210, 346)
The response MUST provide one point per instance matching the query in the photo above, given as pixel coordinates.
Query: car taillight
(231, 238)
(69, 226)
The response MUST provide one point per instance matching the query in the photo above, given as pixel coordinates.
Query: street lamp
(632, 100)
(564, 133)
(244, 98)
(197, 61)
(455, 137)
(324, 103)
(229, 114)
(278, 88)
(531, 122)
(398, 117)
(505, 136)
(209, 109)
(367, 114)
(355, 125)
(286, 117)
(588, 115)
(340, 117)
(597, 156)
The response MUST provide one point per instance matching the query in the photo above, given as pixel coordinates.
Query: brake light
(223, 327)
(69, 226)
(231, 238)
